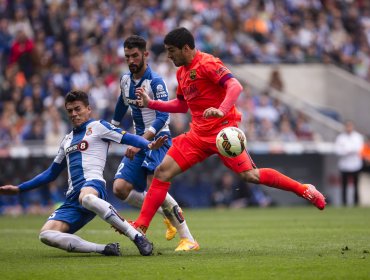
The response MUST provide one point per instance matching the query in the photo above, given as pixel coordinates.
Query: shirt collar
(145, 76)
(82, 126)
(195, 60)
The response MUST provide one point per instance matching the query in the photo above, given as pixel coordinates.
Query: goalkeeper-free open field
(274, 243)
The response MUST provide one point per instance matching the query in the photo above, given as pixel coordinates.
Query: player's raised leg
(273, 178)
(106, 211)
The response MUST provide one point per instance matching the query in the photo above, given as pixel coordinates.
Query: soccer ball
(231, 142)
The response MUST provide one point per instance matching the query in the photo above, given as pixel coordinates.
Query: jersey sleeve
(109, 132)
(121, 105)
(216, 71)
(49, 174)
(160, 92)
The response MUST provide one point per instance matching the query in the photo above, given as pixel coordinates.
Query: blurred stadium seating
(50, 47)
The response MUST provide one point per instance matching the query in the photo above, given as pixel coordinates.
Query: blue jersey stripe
(139, 121)
(75, 160)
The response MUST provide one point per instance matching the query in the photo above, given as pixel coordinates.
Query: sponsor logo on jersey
(131, 101)
(193, 74)
(82, 146)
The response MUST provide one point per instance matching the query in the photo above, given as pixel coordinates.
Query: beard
(134, 69)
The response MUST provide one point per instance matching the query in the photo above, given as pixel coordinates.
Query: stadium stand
(49, 47)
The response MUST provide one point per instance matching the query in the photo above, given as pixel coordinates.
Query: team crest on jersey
(89, 131)
(193, 74)
(161, 92)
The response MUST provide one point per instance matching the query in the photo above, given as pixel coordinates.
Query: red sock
(153, 200)
(272, 178)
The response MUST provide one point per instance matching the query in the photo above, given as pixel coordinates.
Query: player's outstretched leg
(73, 243)
(273, 178)
(107, 212)
(314, 196)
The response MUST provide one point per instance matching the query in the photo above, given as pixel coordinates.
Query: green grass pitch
(274, 243)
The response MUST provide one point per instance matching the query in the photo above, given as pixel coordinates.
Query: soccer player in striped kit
(83, 152)
(136, 169)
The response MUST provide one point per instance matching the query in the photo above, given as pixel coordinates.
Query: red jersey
(201, 85)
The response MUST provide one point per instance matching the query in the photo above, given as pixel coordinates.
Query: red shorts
(189, 148)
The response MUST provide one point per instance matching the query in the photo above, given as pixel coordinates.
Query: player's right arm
(43, 178)
(177, 105)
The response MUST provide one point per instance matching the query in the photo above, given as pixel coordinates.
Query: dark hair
(77, 95)
(180, 37)
(135, 41)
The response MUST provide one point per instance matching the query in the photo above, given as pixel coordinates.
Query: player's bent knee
(121, 189)
(251, 176)
(88, 200)
(162, 173)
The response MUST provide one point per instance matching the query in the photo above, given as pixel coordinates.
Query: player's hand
(131, 152)
(142, 97)
(212, 112)
(9, 190)
(156, 144)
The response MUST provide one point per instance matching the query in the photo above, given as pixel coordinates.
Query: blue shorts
(145, 162)
(73, 213)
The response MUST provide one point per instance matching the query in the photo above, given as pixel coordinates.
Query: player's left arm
(233, 90)
(108, 132)
(219, 74)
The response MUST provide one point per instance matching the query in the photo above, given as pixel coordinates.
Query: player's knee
(251, 176)
(88, 200)
(46, 236)
(121, 189)
(162, 173)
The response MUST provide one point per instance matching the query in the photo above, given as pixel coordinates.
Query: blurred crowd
(49, 47)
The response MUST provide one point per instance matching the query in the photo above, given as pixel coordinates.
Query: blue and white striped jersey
(84, 151)
(144, 118)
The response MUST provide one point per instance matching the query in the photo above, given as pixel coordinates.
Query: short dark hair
(77, 95)
(135, 41)
(180, 37)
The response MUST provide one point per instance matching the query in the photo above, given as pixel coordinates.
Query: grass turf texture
(275, 243)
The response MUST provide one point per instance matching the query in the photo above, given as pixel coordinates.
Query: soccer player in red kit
(209, 90)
